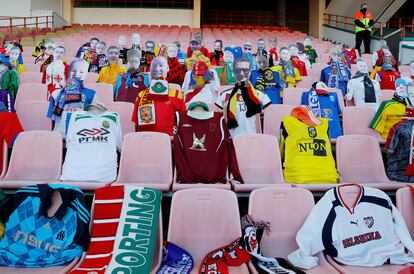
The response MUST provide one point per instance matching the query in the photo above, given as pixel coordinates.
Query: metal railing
(346, 22)
(10, 24)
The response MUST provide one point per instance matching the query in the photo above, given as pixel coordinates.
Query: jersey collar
(339, 197)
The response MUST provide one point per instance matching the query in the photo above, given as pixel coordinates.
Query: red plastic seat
(91, 77)
(356, 121)
(202, 220)
(32, 115)
(306, 82)
(125, 110)
(104, 91)
(36, 92)
(273, 116)
(31, 77)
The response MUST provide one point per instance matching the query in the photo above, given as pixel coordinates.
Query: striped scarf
(69, 97)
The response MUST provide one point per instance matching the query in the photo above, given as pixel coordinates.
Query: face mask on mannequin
(100, 48)
(285, 55)
(94, 43)
(78, 70)
(14, 54)
(362, 67)
(242, 71)
(136, 39)
(228, 57)
(260, 44)
(172, 51)
(122, 41)
(113, 55)
(293, 51)
(218, 46)
(58, 53)
(307, 42)
(158, 68)
(150, 47)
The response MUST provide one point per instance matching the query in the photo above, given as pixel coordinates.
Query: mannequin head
(218, 45)
(134, 58)
(335, 55)
(94, 42)
(307, 41)
(247, 47)
(198, 37)
(410, 90)
(412, 67)
(273, 42)
(262, 62)
(228, 56)
(101, 47)
(159, 67)
(362, 65)
(387, 58)
(284, 54)
(150, 46)
(293, 50)
(122, 41)
(178, 44)
(59, 53)
(49, 46)
(338, 47)
(14, 53)
(261, 44)
(172, 51)
(242, 69)
(113, 54)
(401, 87)
(78, 69)
(135, 38)
(195, 45)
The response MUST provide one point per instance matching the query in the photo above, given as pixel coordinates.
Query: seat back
(356, 121)
(292, 96)
(3, 158)
(31, 92)
(203, 219)
(37, 156)
(31, 67)
(273, 116)
(146, 158)
(31, 77)
(32, 115)
(359, 159)
(306, 82)
(125, 110)
(386, 94)
(258, 157)
(91, 77)
(405, 203)
(286, 209)
(104, 91)
(174, 86)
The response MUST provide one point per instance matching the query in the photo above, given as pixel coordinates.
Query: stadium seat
(91, 77)
(306, 82)
(281, 207)
(404, 70)
(292, 96)
(36, 158)
(258, 157)
(4, 158)
(202, 220)
(319, 66)
(32, 115)
(405, 203)
(125, 110)
(359, 160)
(273, 116)
(146, 160)
(31, 78)
(32, 67)
(356, 121)
(36, 92)
(386, 94)
(340, 97)
(174, 86)
(104, 91)
(315, 73)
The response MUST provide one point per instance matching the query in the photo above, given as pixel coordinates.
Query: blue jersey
(341, 84)
(271, 90)
(32, 239)
(330, 109)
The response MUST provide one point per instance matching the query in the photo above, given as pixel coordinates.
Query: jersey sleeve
(393, 138)
(221, 100)
(134, 117)
(379, 120)
(401, 229)
(350, 91)
(323, 78)
(51, 107)
(336, 103)
(304, 99)
(117, 85)
(297, 75)
(232, 157)
(82, 236)
(264, 99)
(216, 80)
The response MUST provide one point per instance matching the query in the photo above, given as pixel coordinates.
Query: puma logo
(354, 223)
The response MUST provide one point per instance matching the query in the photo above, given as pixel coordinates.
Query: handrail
(23, 22)
(347, 22)
(403, 32)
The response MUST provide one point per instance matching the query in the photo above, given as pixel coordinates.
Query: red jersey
(387, 78)
(300, 65)
(213, 59)
(204, 150)
(352, 55)
(10, 127)
(157, 114)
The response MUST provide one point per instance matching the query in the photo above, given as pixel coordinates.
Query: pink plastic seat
(31, 77)
(32, 115)
(315, 73)
(306, 82)
(125, 111)
(319, 67)
(174, 86)
(404, 70)
(359, 160)
(273, 116)
(202, 220)
(31, 67)
(356, 121)
(104, 91)
(386, 94)
(31, 92)
(4, 158)
(91, 77)
(281, 208)
(36, 158)
(292, 96)
(405, 203)
(155, 169)
(258, 157)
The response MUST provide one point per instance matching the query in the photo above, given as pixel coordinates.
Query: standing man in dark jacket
(363, 23)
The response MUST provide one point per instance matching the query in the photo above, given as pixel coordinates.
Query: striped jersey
(389, 113)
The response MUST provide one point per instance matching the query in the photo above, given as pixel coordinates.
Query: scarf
(251, 99)
(46, 63)
(313, 100)
(386, 66)
(175, 260)
(368, 87)
(226, 75)
(176, 71)
(217, 56)
(338, 74)
(131, 77)
(69, 97)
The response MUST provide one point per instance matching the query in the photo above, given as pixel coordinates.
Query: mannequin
(197, 44)
(201, 85)
(261, 50)
(351, 53)
(216, 57)
(88, 50)
(176, 70)
(101, 60)
(363, 90)
(110, 73)
(297, 63)
(309, 51)
(57, 72)
(181, 56)
(47, 51)
(336, 75)
(9, 80)
(273, 51)
(247, 53)
(386, 74)
(136, 41)
(288, 73)
(130, 83)
(339, 47)
(147, 56)
(156, 105)
(122, 40)
(196, 56)
(377, 57)
(225, 73)
(14, 60)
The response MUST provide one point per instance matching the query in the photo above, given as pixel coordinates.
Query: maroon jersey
(204, 150)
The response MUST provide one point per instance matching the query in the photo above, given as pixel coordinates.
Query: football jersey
(306, 152)
(110, 74)
(325, 76)
(329, 109)
(203, 150)
(129, 84)
(387, 78)
(387, 115)
(356, 92)
(92, 141)
(32, 238)
(370, 234)
(247, 125)
(271, 83)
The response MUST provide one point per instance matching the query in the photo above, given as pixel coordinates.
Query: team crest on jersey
(146, 115)
(212, 127)
(198, 143)
(105, 124)
(369, 221)
(312, 132)
(269, 75)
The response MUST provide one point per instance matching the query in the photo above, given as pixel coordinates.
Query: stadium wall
(15, 8)
(406, 53)
(181, 17)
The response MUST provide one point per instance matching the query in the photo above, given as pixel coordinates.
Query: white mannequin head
(94, 42)
(218, 45)
(293, 50)
(134, 58)
(14, 53)
(387, 57)
(247, 47)
(50, 45)
(59, 53)
(122, 41)
(261, 44)
(335, 55)
(242, 69)
(410, 90)
(101, 48)
(159, 67)
(172, 51)
(228, 56)
(307, 41)
(284, 54)
(113, 54)
(135, 38)
(78, 69)
(412, 68)
(362, 65)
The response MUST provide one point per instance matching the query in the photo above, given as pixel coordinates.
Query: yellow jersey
(388, 114)
(289, 80)
(307, 153)
(110, 74)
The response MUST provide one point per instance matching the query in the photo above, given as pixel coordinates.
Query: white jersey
(247, 125)
(207, 94)
(92, 141)
(370, 234)
(186, 83)
(356, 91)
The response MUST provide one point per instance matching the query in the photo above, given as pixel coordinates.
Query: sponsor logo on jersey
(361, 239)
(354, 223)
(315, 147)
(326, 113)
(369, 221)
(87, 135)
(31, 240)
(182, 265)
